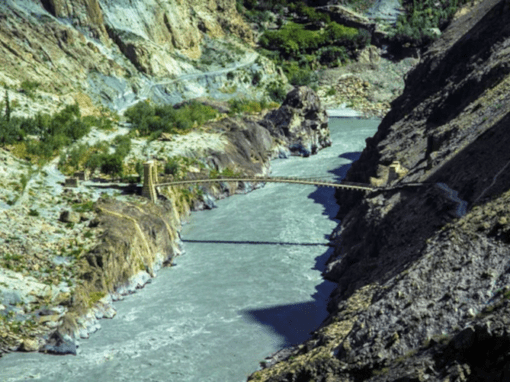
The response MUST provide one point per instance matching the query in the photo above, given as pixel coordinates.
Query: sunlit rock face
(106, 49)
(148, 32)
(301, 122)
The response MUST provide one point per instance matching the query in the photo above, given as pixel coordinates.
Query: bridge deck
(312, 182)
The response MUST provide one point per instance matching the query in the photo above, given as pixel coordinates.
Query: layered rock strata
(118, 52)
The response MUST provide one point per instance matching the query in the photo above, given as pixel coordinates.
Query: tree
(7, 106)
(112, 165)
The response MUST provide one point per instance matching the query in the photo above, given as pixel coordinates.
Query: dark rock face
(423, 288)
(57, 344)
(301, 122)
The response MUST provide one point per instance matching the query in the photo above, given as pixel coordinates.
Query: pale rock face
(69, 46)
(147, 30)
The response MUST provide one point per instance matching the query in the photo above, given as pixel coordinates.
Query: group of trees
(151, 119)
(307, 40)
(293, 39)
(418, 24)
(299, 48)
(43, 134)
(97, 157)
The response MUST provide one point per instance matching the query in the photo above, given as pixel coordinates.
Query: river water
(249, 284)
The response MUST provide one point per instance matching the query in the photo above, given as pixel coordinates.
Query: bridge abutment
(150, 177)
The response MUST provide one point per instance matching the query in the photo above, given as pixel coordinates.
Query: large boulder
(301, 122)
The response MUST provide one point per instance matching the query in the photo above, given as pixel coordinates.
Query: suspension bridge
(151, 183)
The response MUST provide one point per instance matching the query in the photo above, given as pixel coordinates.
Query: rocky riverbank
(70, 252)
(368, 85)
(422, 281)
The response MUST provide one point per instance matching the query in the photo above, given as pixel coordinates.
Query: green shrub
(311, 14)
(11, 131)
(53, 132)
(75, 155)
(299, 75)
(111, 164)
(276, 91)
(172, 166)
(33, 212)
(102, 123)
(29, 87)
(333, 56)
(7, 115)
(139, 168)
(415, 25)
(292, 39)
(94, 162)
(331, 91)
(243, 105)
(83, 207)
(123, 145)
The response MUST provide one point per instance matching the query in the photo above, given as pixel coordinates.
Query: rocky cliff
(422, 262)
(118, 52)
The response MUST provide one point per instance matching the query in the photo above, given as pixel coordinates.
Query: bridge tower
(150, 177)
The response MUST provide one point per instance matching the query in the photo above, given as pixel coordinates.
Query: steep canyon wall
(422, 271)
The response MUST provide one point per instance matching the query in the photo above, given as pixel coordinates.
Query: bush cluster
(298, 47)
(250, 106)
(29, 87)
(299, 73)
(416, 26)
(293, 39)
(97, 157)
(276, 91)
(254, 6)
(151, 119)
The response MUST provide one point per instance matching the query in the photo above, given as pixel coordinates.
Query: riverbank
(88, 260)
(236, 256)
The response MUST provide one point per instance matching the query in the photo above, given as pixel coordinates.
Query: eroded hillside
(117, 52)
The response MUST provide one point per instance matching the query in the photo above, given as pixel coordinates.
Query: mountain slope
(117, 52)
(422, 271)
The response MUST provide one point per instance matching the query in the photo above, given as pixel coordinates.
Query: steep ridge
(422, 272)
(117, 52)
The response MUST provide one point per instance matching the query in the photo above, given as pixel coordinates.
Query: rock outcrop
(301, 122)
(422, 270)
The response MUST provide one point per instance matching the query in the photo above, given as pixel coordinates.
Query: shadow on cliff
(481, 170)
(293, 323)
(325, 195)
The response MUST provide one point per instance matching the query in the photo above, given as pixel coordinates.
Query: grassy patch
(83, 207)
(94, 297)
(250, 106)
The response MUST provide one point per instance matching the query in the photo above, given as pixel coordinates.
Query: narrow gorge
(414, 275)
